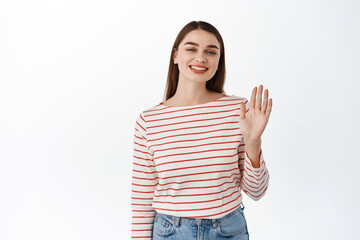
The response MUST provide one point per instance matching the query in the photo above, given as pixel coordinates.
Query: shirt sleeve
(144, 181)
(254, 181)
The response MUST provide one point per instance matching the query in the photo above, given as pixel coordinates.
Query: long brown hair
(216, 83)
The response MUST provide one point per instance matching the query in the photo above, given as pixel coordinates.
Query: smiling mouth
(198, 68)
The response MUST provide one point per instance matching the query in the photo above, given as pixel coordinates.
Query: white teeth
(198, 68)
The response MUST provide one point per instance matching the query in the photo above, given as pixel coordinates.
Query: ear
(175, 56)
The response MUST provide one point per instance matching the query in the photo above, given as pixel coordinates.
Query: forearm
(255, 176)
(253, 150)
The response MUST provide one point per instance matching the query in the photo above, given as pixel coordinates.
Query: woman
(195, 152)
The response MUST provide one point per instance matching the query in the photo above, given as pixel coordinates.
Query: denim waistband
(185, 220)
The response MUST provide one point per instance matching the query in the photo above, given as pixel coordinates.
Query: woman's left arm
(253, 123)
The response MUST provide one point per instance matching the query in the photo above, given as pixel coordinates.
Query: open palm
(253, 123)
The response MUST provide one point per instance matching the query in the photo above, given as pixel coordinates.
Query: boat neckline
(196, 105)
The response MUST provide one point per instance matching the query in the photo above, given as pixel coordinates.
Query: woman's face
(198, 56)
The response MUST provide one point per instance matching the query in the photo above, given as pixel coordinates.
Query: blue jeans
(231, 226)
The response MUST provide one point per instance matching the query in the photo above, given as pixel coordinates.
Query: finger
(242, 110)
(252, 99)
(266, 99)
(259, 97)
(268, 109)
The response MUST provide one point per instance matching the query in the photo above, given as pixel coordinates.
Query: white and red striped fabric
(189, 161)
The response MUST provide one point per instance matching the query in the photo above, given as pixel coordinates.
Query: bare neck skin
(191, 93)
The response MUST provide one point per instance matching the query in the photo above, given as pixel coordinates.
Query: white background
(74, 75)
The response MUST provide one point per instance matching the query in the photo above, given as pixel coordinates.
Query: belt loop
(177, 221)
(214, 223)
(242, 206)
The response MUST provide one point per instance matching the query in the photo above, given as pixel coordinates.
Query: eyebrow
(195, 44)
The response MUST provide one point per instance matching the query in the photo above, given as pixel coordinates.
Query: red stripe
(139, 144)
(139, 198)
(193, 195)
(140, 152)
(140, 125)
(142, 165)
(199, 180)
(193, 146)
(186, 111)
(191, 127)
(198, 166)
(200, 187)
(192, 140)
(134, 170)
(186, 153)
(191, 121)
(212, 200)
(142, 118)
(191, 174)
(160, 111)
(145, 192)
(138, 204)
(148, 179)
(141, 158)
(142, 210)
(192, 134)
(141, 185)
(206, 216)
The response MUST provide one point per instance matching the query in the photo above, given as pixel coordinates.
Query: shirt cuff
(249, 163)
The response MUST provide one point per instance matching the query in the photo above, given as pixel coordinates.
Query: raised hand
(253, 123)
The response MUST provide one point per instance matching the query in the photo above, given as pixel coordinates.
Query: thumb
(242, 110)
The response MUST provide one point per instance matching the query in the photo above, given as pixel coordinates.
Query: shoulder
(237, 98)
(142, 116)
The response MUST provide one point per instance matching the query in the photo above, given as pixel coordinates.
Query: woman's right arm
(144, 181)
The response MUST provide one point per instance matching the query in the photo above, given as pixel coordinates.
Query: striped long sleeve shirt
(190, 161)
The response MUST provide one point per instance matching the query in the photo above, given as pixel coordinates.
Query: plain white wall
(76, 74)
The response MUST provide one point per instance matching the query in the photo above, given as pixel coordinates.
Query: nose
(200, 57)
